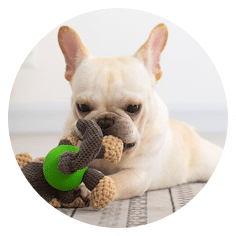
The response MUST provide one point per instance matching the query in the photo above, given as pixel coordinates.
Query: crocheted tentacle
(69, 197)
(77, 203)
(90, 147)
(103, 193)
(33, 172)
(93, 146)
(113, 149)
(102, 188)
(92, 177)
(23, 159)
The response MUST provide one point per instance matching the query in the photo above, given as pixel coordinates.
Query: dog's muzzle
(106, 125)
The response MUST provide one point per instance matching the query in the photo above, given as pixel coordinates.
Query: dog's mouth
(115, 133)
(127, 146)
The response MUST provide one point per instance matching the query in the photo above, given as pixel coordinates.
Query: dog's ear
(72, 48)
(150, 52)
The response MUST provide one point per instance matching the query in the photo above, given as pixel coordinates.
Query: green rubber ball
(54, 177)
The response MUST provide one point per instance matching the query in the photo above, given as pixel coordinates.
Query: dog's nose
(105, 123)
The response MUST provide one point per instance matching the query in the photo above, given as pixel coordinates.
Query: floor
(152, 206)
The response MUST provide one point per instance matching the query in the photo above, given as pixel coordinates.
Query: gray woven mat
(152, 206)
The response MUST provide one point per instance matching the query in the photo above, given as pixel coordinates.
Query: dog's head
(117, 93)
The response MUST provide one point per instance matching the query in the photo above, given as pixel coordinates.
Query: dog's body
(118, 93)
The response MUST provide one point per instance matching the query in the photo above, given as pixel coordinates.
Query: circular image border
(134, 6)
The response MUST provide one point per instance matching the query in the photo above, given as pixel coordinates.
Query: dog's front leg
(130, 183)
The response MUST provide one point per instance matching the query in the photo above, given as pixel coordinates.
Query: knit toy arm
(112, 148)
(93, 146)
(90, 147)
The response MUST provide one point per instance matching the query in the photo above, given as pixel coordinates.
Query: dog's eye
(133, 108)
(83, 107)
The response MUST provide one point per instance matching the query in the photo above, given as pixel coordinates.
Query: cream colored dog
(118, 93)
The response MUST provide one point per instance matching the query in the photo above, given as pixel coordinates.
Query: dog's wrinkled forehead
(108, 75)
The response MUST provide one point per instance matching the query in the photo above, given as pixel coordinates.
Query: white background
(190, 85)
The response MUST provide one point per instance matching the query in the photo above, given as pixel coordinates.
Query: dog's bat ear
(150, 51)
(72, 48)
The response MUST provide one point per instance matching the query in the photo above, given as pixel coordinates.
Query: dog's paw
(103, 194)
(113, 149)
(85, 194)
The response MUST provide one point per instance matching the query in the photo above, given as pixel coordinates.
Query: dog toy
(70, 167)
(52, 174)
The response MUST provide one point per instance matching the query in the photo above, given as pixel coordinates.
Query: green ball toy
(54, 177)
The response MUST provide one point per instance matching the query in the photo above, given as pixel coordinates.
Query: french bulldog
(118, 93)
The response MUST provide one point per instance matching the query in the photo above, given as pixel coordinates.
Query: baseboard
(50, 117)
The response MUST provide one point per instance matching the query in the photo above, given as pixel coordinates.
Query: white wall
(190, 85)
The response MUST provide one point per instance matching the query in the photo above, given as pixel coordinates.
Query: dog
(118, 93)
